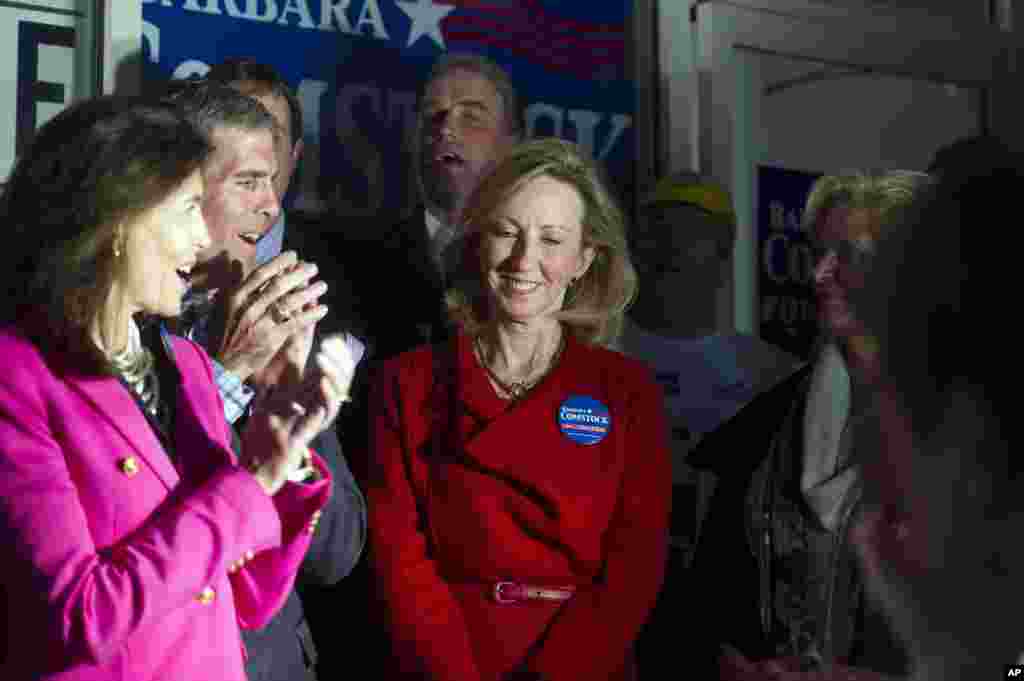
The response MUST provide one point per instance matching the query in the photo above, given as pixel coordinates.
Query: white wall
(961, 9)
(122, 46)
(850, 120)
(56, 66)
(70, 72)
(723, 123)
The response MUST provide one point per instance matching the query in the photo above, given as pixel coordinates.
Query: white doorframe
(728, 36)
(77, 49)
(121, 47)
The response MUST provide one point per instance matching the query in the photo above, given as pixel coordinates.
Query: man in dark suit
(259, 324)
(469, 116)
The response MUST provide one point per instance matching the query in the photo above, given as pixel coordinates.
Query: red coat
(520, 500)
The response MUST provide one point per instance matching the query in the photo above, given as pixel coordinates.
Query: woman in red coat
(520, 494)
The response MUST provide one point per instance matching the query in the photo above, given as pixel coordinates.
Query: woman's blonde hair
(595, 303)
(881, 192)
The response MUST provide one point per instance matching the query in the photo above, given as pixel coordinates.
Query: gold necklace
(135, 366)
(517, 390)
(139, 375)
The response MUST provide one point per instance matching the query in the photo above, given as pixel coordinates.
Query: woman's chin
(517, 315)
(525, 314)
(167, 310)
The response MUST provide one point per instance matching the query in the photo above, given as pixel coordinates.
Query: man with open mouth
(469, 117)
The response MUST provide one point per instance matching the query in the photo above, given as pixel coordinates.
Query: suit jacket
(500, 493)
(315, 240)
(400, 290)
(115, 562)
(399, 300)
(285, 648)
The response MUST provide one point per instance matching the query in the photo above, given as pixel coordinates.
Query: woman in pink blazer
(132, 543)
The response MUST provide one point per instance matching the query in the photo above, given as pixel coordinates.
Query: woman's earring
(570, 292)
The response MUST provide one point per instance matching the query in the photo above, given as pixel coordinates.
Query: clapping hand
(734, 666)
(277, 437)
(328, 385)
(274, 311)
(285, 420)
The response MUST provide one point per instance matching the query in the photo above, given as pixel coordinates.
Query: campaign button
(584, 420)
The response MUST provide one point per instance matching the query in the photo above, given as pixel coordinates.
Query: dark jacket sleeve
(341, 533)
(340, 536)
(732, 452)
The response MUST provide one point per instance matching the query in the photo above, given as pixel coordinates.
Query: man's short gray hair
(515, 114)
(209, 105)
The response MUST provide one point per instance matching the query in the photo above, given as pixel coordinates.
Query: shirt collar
(270, 244)
(433, 223)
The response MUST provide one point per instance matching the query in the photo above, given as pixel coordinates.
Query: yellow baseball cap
(689, 188)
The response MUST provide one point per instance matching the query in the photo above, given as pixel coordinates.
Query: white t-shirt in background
(705, 380)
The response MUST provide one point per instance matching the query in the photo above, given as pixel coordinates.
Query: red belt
(507, 593)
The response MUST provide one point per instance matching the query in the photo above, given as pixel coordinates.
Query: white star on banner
(426, 19)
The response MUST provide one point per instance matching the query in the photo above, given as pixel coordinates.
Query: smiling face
(531, 249)
(240, 204)
(463, 134)
(160, 249)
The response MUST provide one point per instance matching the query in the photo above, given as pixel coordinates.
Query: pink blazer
(115, 563)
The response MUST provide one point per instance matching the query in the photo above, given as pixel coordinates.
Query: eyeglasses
(850, 253)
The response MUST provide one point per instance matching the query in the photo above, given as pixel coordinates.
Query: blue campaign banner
(357, 65)
(786, 262)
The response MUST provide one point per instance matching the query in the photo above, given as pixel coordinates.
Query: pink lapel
(199, 425)
(113, 403)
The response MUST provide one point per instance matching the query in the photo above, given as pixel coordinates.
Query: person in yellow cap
(683, 244)
(682, 247)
